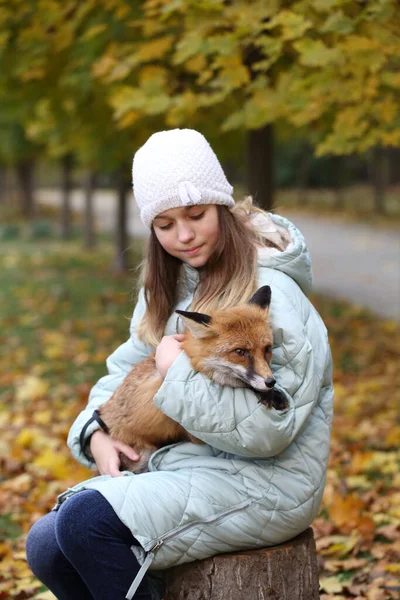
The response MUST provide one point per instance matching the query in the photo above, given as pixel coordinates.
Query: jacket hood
(294, 260)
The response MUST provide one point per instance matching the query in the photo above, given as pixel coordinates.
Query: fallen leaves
(55, 342)
(51, 355)
(358, 530)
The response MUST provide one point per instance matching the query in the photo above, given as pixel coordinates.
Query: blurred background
(300, 101)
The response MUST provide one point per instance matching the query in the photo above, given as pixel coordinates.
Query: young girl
(259, 477)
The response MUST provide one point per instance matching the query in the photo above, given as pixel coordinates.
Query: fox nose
(270, 382)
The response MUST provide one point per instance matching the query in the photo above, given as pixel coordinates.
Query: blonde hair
(229, 278)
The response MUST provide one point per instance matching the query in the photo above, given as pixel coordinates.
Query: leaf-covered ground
(62, 313)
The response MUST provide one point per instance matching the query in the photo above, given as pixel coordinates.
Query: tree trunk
(121, 263)
(379, 172)
(3, 185)
(338, 166)
(393, 165)
(260, 166)
(24, 171)
(89, 188)
(302, 176)
(285, 572)
(66, 187)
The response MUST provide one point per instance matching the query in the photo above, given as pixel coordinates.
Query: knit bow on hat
(189, 194)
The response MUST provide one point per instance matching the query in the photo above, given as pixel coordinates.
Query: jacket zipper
(209, 521)
(153, 549)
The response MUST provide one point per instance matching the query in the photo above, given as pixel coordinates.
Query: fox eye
(268, 349)
(241, 351)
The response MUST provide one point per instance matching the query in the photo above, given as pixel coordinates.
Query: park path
(354, 261)
(351, 261)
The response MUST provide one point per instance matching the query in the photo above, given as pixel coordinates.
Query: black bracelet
(83, 443)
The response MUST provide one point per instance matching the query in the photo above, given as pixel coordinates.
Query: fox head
(233, 346)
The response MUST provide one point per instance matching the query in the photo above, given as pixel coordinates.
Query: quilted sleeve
(232, 419)
(119, 364)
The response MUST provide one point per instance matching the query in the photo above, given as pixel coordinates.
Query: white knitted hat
(177, 168)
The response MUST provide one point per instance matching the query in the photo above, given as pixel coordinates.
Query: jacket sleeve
(119, 364)
(232, 419)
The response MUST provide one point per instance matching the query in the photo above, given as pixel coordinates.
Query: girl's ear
(262, 297)
(197, 323)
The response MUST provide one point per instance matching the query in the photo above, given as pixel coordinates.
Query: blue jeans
(82, 551)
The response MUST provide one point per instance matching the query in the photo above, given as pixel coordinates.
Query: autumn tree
(331, 66)
(72, 116)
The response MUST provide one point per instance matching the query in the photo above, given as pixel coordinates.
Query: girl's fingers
(127, 450)
(113, 468)
(179, 337)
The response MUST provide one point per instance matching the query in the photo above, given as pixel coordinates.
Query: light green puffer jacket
(258, 480)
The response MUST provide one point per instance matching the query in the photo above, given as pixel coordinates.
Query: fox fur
(232, 346)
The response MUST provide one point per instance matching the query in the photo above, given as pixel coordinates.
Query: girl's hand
(105, 452)
(167, 351)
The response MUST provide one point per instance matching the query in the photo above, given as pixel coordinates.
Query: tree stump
(285, 572)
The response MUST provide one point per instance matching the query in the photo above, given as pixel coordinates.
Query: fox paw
(274, 399)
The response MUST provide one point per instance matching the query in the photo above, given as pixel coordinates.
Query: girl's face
(189, 233)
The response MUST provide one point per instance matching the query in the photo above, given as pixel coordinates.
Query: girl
(258, 479)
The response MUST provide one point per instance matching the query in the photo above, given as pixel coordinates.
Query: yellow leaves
(104, 65)
(387, 108)
(94, 31)
(336, 566)
(338, 22)
(155, 49)
(331, 585)
(294, 25)
(232, 74)
(196, 63)
(190, 45)
(394, 508)
(125, 98)
(26, 584)
(153, 76)
(54, 464)
(21, 484)
(325, 5)
(45, 596)
(64, 38)
(358, 532)
(148, 98)
(336, 545)
(54, 344)
(120, 60)
(182, 109)
(128, 119)
(392, 568)
(315, 53)
(393, 436)
(391, 80)
(30, 388)
(41, 390)
(43, 417)
(25, 438)
(358, 482)
(36, 72)
(363, 52)
(390, 138)
(359, 43)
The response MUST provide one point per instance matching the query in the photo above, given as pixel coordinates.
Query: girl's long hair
(229, 277)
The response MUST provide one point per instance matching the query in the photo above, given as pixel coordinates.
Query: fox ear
(262, 297)
(198, 323)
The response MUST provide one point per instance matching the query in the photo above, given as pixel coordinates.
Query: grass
(51, 286)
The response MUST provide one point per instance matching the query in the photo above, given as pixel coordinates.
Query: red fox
(232, 346)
